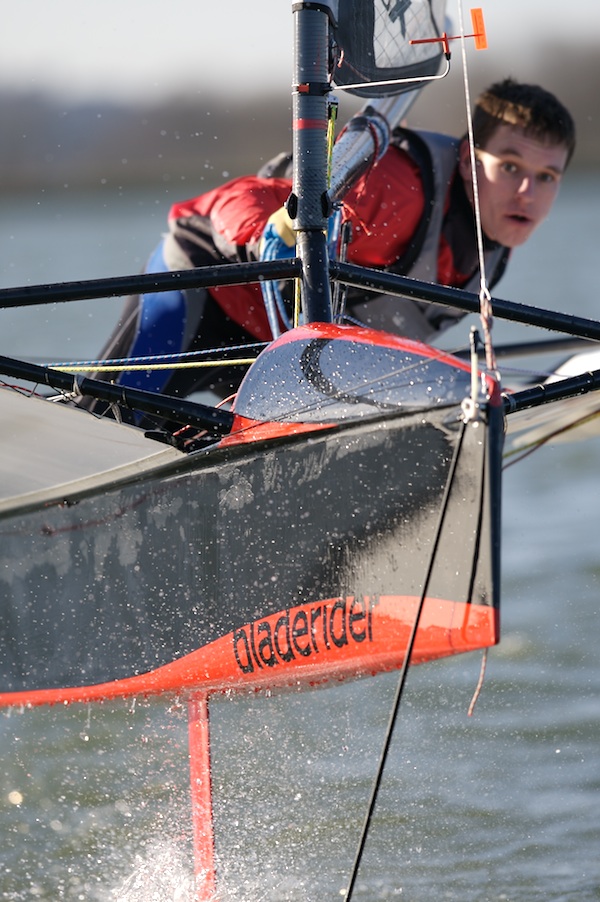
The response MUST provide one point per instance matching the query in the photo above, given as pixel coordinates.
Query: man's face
(518, 179)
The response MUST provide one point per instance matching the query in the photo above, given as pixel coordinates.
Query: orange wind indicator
(478, 29)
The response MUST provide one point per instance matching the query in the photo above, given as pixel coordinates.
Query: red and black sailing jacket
(409, 214)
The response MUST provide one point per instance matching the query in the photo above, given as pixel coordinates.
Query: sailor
(411, 213)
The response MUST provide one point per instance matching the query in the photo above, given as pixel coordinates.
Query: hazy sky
(151, 47)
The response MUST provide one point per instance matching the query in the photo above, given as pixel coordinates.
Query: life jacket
(225, 225)
(437, 158)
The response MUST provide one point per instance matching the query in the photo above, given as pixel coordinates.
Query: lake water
(504, 805)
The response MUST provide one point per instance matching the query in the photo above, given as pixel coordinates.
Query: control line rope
(99, 366)
(485, 298)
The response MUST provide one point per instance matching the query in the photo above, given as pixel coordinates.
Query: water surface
(501, 806)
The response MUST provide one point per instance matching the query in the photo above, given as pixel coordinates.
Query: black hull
(105, 587)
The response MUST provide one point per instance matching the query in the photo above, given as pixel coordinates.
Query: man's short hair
(537, 112)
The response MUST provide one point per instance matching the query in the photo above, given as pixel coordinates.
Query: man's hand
(279, 239)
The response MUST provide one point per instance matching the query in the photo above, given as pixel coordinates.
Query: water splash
(162, 874)
(84, 735)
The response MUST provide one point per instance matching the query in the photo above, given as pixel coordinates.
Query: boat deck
(45, 447)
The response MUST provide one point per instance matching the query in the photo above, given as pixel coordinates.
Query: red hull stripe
(311, 644)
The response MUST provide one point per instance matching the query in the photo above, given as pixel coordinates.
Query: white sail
(374, 44)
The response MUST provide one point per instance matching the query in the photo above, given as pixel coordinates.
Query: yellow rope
(297, 302)
(96, 368)
(333, 111)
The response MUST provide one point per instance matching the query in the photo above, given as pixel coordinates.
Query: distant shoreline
(194, 142)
